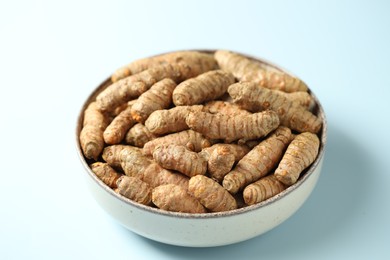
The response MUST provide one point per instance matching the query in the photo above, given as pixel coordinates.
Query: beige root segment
(194, 141)
(139, 135)
(172, 120)
(179, 158)
(235, 127)
(174, 198)
(211, 194)
(135, 189)
(254, 98)
(301, 152)
(259, 161)
(205, 87)
(105, 173)
(111, 154)
(224, 107)
(193, 57)
(91, 135)
(117, 129)
(159, 96)
(262, 189)
(245, 69)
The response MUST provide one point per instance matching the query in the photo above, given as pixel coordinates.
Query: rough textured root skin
(172, 120)
(210, 194)
(207, 86)
(262, 189)
(91, 135)
(189, 138)
(202, 60)
(105, 173)
(224, 107)
(111, 154)
(159, 96)
(221, 158)
(179, 158)
(155, 176)
(301, 98)
(117, 129)
(259, 161)
(133, 162)
(254, 98)
(245, 69)
(301, 152)
(174, 198)
(138, 135)
(231, 128)
(135, 189)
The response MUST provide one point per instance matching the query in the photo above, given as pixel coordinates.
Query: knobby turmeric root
(139, 135)
(135, 189)
(105, 173)
(259, 161)
(262, 189)
(245, 69)
(235, 127)
(301, 152)
(254, 98)
(174, 198)
(212, 195)
(91, 135)
(223, 107)
(111, 154)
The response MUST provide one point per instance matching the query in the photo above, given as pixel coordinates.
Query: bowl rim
(304, 176)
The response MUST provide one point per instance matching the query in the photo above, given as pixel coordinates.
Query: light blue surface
(54, 53)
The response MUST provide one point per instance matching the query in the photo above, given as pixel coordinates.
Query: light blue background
(54, 53)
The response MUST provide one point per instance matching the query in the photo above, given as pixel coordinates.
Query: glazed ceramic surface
(208, 229)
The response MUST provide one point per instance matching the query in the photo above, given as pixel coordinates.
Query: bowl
(204, 229)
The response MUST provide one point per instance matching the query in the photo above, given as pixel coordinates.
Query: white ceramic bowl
(207, 229)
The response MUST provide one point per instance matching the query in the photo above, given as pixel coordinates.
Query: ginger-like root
(259, 161)
(111, 154)
(133, 86)
(235, 127)
(254, 98)
(105, 173)
(139, 135)
(224, 107)
(172, 120)
(135, 164)
(117, 129)
(301, 152)
(189, 138)
(174, 198)
(211, 194)
(159, 96)
(91, 135)
(135, 189)
(262, 189)
(179, 158)
(205, 87)
(245, 69)
(193, 57)
(221, 158)
(301, 98)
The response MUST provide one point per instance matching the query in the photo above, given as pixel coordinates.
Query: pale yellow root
(221, 158)
(179, 158)
(210, 194)
(159, 96)
(254, 98)
(245, 69)
(174, 198)
(207, 86)
(231, 128)
(172, 120)
(189, 138)
(105, 173)
(202, 59)
(91, 135)
(135, 189)
(117, 129)
(301, 152)
(111, 154)
(138, 135)
(259, 161)
(224, 107)
(262, 189)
